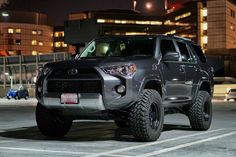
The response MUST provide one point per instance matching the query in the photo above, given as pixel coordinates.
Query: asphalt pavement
(19, 136)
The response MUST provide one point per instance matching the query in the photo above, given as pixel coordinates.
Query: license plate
(69, 98)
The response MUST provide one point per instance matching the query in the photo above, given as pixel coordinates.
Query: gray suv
(133, 80)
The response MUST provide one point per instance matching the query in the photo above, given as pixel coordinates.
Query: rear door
(191, 67)
(173, 75)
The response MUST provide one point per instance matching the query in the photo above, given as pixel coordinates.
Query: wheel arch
(152, 84)
(206, 86)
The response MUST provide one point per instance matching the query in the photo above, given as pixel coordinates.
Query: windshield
(120, 47)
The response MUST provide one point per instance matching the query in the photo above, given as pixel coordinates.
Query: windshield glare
(120, 47)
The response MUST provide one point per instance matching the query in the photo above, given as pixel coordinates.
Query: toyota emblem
(73, 72)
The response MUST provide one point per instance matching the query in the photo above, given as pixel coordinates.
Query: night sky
(58, 10)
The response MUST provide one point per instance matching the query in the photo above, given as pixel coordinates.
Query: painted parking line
(166, 150)
(108, 153)
(6, 141)
(53, 151)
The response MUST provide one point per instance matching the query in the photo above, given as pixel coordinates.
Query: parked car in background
(18, 92)
(231, 94)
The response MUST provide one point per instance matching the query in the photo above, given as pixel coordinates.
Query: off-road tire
(121, 123)
(200, 113)
(147, 116)
(51, 123)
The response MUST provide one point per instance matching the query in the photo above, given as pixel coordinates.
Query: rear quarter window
(199, 53)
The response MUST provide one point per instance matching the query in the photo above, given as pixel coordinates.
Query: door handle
(181, 70)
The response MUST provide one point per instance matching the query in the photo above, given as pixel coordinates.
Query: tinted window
(199, 53)
(184, 52)
(116, 47)
(167, 45)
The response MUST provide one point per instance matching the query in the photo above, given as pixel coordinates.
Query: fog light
(120, 89)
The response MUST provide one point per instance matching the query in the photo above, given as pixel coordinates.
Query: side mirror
(170, 56)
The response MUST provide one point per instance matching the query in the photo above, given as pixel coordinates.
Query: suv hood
(94, 62)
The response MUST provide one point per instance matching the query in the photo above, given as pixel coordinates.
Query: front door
(173, 75)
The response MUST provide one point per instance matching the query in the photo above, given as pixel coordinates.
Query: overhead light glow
(148, 5)
(4, 14)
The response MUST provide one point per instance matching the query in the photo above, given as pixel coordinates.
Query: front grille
(74, 86)
(82, 74)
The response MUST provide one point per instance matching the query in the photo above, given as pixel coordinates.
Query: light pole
(11, 78)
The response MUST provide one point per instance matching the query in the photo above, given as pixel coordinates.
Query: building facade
(221, 31)
(25, 33)
(59, 44)
(83, 26)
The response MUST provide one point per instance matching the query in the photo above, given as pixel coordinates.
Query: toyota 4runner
(134, 80)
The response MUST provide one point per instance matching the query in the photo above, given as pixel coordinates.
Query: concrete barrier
(221, 89)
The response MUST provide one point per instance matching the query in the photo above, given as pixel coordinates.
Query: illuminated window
(58, 44)
(129, 22)
(232, 27)
(170, 23)
(10, 30)
(34, 32)
(34, 52)
(205, 39)
(40, 43)
(204, 26)
(11, 52)
(101, 20)
(204, 12)
(18, 31)
(59, 34)
(135, 33)
(40, 32)
(182, 16)
(64, 45)
(34, 42)
(170, 32)
(18, 41)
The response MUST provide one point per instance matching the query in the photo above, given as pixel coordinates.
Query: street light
(11, 78)
(148, 5)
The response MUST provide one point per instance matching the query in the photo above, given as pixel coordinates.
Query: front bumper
(87, 102)
(107, 99)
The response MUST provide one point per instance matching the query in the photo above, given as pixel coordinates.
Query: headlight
(127, 70)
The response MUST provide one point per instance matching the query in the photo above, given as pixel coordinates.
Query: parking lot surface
(19, 136)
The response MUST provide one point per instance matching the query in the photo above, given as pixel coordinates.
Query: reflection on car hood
(93, 62)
